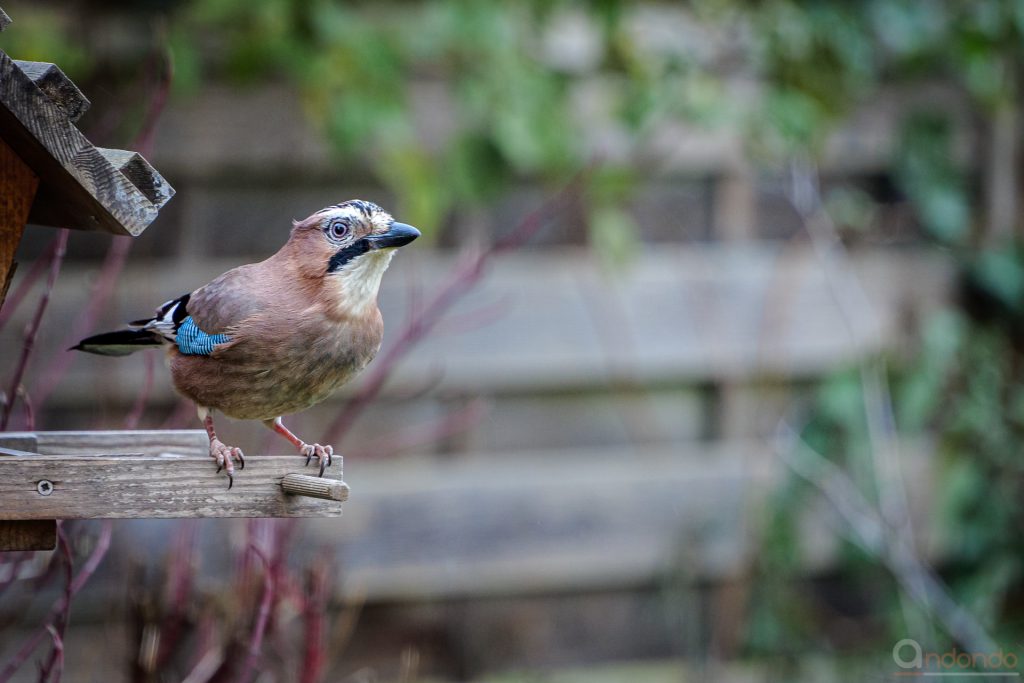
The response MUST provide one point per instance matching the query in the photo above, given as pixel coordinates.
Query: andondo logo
(913, 660)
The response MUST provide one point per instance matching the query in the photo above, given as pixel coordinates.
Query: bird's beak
(398, 235)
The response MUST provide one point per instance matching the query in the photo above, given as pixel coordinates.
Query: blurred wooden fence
(626, 407)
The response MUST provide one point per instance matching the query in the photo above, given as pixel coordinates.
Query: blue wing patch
(192, 341)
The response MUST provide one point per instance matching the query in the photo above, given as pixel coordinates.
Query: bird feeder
(53, 176)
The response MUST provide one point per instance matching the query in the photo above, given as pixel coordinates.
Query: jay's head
(350, 245)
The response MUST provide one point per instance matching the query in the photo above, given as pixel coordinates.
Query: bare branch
(55, 664)
(867, 529)
(82, 578)
(33, 328)
(12, 302)
(422, 322)
(262, 616)
(117, 253)
(855, 307)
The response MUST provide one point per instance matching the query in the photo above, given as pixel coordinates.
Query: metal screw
(44, 487)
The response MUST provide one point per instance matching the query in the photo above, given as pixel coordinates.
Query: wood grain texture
(57, 86)
(141, 173)
(588, 519)
(141, 441)
(79, 188)
(315, 487)
(28, 534)
(19, 185)
(131, 486)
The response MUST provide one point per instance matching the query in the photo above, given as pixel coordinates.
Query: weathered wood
(57, 86)
(79, 188)
(709, 314)
(143, 176)
(169, 486)
(14, 451)
(139, 442)
(28, 534)
(735, 199)
(576, 520)
(5, 20)
(315, 487)
(19, 185)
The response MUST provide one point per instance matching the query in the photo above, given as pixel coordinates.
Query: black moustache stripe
(343, 256)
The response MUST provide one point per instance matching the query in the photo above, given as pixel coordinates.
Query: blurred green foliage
(963, 384)
(356, 65)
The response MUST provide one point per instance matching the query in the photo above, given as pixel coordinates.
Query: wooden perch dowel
(315, 487)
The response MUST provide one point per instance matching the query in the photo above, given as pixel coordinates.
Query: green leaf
(614, 235)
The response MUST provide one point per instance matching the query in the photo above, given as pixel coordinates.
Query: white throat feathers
(357, 283)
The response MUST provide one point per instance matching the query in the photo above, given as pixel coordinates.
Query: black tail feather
(119, 343)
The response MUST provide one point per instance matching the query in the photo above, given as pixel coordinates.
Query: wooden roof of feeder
(81, 186)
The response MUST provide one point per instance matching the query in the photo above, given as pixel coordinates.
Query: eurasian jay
(272, 338)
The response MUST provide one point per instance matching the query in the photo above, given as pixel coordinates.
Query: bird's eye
(338, 229)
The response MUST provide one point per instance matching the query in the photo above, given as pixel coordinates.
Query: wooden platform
(151, 474)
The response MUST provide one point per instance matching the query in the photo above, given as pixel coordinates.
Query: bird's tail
(119, 343)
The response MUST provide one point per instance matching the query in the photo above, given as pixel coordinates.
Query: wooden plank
(5, 20)
(14, 451)
(587, 519)
(710, 314)
(735, 205)
(28, 534)
(127, 486)
(140, 441)
(57, 86)
(143, 176)
(79, 188)
(19, 185)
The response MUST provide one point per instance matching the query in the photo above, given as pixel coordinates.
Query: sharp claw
(219, 468)
(308, 458)
(323, 465)
(231, 481)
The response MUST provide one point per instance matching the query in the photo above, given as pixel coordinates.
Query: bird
(270, 339)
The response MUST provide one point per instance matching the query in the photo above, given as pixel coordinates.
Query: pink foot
(321, 453)
(226, 457)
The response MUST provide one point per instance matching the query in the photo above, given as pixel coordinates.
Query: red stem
(99, 297)
(260, 627)
(422, 323)
(131, 421)
(455, 422)
(55, 663)
(83, 576)
(314, 609)
(33, 328)
(25, 286)
(114, 261)
(57, 658)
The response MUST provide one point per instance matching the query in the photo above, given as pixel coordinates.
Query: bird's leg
(310, 450)
(224, 455)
